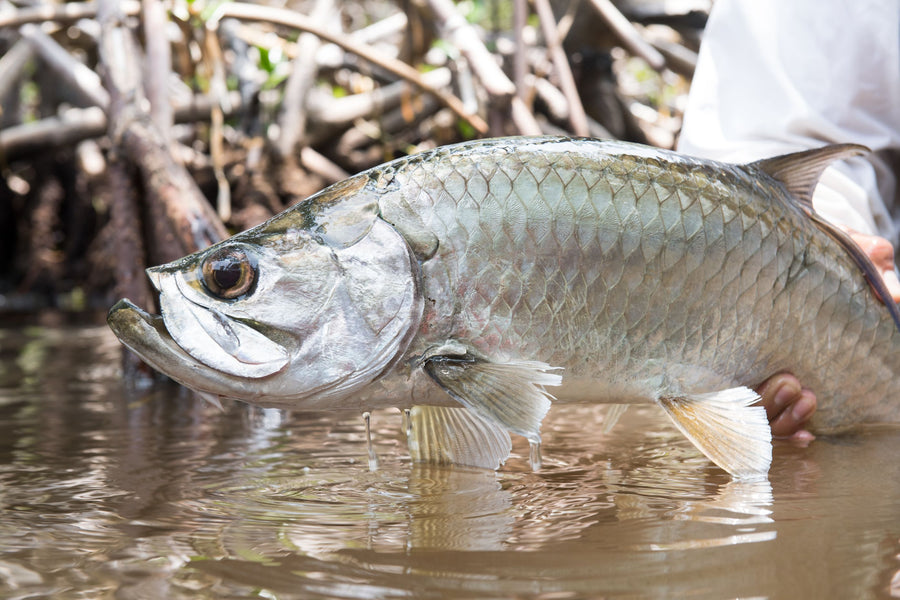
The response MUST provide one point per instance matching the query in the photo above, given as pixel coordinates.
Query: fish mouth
(146, 335)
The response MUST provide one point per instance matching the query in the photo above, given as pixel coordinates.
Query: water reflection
(156, 494)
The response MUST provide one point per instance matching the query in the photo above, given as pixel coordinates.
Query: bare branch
(631, 38)
(292, 117)
(72, 73)
(520, 59)
(577, 116)
(462, 35)
(218, 88)
(287, 18)
(319, 164)
(77, 124)
(343, 111)
(679, 58)
(61, 13)
(524, 118)
(158, 65)
(11, 74)
(70, 127)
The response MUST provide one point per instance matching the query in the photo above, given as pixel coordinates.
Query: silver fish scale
(640, 267)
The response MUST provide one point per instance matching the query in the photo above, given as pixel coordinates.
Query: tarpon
(474, 284)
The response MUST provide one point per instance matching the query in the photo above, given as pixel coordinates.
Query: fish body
(476, 283)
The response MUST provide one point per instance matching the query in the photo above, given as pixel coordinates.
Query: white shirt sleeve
(776, 76)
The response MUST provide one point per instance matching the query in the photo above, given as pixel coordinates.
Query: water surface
(113, 493)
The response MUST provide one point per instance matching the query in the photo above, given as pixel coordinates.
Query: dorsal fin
(800, 171)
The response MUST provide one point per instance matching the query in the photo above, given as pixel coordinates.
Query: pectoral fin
(726, 428)
(511, 394)
(612, 417)
(447, 435)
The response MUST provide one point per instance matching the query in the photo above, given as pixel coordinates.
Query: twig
(328, 55)
(626, 32)
(75, 75)
(388, 124)
(245, 70)
(523, 117)
(118, 66)
(483, 64)
(521, 110)
(11, 74)
(679, 58)
(462, 35)
(70, 127)
(287, 18)
(520, 60)
(377, 31)
(555, 101)
(577, 116)
(62, 13)
(567, 20)
(218, 88)
(217, 154)
(158, 66)
(342, 111)
(292, 116)
(77, 124)
(12, 62)
(321, 165)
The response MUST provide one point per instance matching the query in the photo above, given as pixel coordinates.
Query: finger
(892, 284)
(778, 392)
(881, 253)
(791, 420)
(801, 438)
(878, 249)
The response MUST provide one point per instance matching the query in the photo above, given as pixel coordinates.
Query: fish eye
(229, 272)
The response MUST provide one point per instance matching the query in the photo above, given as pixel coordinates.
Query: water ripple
(106, 492)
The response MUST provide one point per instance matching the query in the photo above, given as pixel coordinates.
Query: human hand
(788, 406)
(881, 253)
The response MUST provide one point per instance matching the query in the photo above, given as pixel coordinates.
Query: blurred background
(133, 133)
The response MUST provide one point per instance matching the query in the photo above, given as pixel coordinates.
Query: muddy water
(106, 492)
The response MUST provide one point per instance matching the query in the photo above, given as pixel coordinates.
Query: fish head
(300, 311)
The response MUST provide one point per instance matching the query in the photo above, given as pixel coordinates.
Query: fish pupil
(227, 273)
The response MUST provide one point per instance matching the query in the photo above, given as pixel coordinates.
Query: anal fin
(450, 435)
(726, 428)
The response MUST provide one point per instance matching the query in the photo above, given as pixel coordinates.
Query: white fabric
(776, 76)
